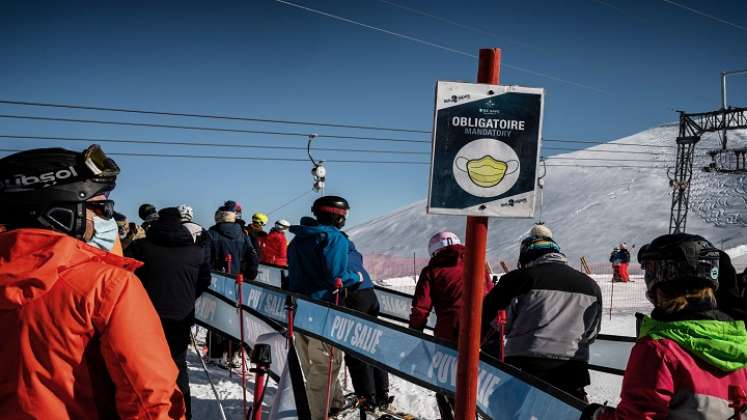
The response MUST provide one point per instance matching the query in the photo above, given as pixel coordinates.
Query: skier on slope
(73, 317)
(554, 314)
(440, 287)
(688, 352)
(275, 250)
(176, 271)
(620, 258)
(318, 255)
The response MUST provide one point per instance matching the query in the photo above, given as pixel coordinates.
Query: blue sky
(637, 60)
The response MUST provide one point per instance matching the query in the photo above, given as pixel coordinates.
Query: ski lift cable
(291, 201)
(441, 47)
(210, 116)
(203, 144)
(258, 158)
(262, 146)
(203, 128)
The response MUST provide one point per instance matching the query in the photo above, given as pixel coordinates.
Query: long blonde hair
(675, 299)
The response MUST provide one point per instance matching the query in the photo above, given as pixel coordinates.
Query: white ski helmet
(282, 224)
(186, 213)
(442, 240)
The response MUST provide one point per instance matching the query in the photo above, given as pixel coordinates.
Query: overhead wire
(209, 116)
(203, 144)
(438, 46)
(258, 158)
(203, 128)
(291, 201)
(706, 15)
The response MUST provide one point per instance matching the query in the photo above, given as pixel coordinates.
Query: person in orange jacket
(74, 318)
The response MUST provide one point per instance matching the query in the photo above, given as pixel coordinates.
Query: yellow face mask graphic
(486, 172)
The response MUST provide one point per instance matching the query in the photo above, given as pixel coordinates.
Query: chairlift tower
(692, 127)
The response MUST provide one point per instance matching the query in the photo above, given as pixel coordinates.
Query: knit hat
(225, 216)
(538, 243)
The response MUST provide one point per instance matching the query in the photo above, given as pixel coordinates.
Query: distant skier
(275, 250)
(620, 258)
(176, 271)
(128, 231)
(688, 353)
(440, 287)
(81, 339)
(257, 233)
(149, 214)
(554, 314)
(318, 255)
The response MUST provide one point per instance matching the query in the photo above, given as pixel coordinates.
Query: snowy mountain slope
(590, 210)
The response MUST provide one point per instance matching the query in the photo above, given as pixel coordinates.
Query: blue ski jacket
(319, 254)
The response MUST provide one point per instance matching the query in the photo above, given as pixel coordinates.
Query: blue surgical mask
(104, 233)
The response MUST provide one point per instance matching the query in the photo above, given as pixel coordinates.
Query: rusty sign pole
(474, 277)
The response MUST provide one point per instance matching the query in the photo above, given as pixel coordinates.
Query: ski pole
(502, 319)
(338, 289)
(239, 285)
(229, 260)
(210, 380)
(262, 359)
(290, 306)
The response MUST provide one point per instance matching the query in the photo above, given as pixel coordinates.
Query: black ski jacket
(176, 270)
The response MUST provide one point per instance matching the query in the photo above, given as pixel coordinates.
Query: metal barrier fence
(400, 274)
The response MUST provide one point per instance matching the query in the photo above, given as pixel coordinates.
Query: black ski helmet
(147, 212)
(331, 210)
(48, 187)
(680, 257)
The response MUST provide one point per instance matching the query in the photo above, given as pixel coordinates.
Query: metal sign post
(485, 154)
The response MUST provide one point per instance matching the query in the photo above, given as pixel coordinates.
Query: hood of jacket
(310, 227)
(722, 344)
(228, 229)
(448, 256)
(31, 261)
(169, 234)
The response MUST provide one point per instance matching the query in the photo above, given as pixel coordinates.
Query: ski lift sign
(485, 152)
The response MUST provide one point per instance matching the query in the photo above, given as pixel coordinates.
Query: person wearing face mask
(73, 316)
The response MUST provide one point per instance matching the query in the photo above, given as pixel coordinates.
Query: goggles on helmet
(98, 163)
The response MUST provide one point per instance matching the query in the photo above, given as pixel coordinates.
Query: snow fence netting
(503, 392)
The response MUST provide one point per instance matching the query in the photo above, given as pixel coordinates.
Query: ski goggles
(100, 165)
(102, 208)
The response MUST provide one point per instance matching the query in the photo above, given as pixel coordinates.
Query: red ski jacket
(440, 287)
(275, 249)
(81, 339)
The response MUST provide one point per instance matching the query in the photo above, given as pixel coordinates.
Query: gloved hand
(593, 411)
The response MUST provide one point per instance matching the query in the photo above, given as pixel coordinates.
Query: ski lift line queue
(163, 155)
(269, 147)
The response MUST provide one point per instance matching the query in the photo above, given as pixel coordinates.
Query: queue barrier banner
(503, 392)
(216, 312)
(608, 353)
